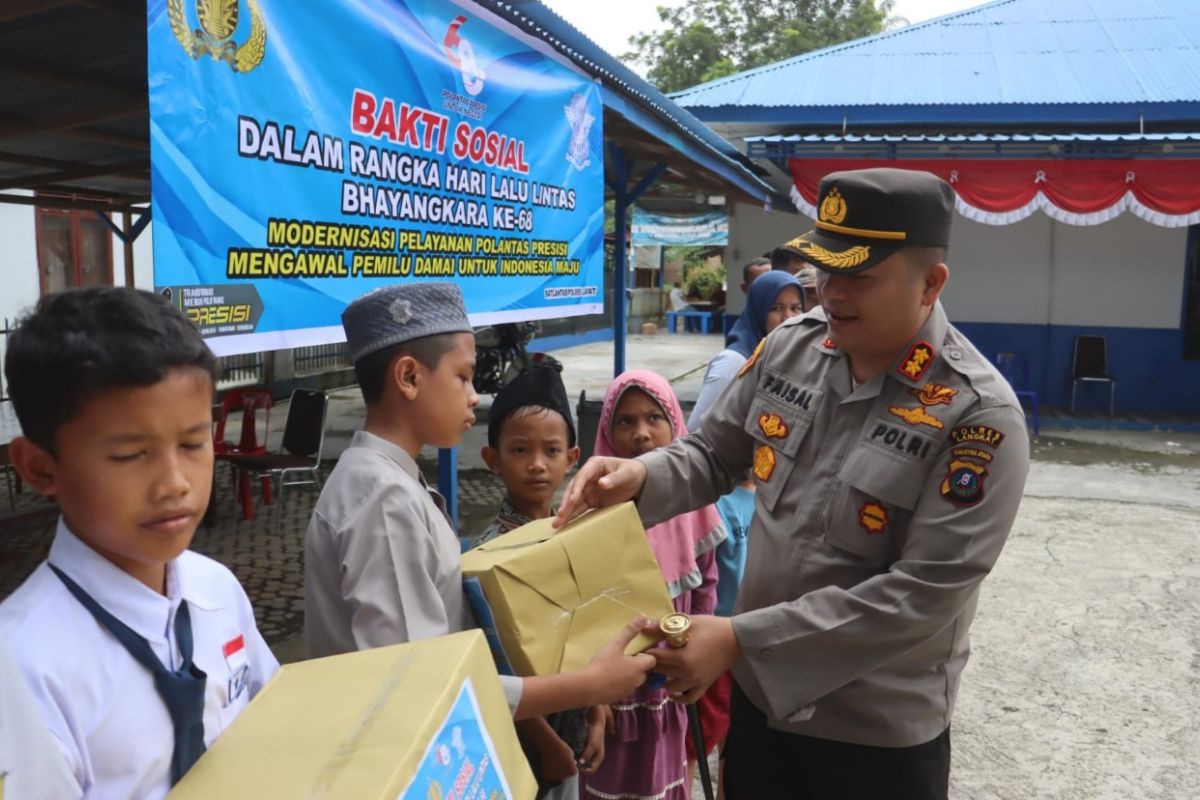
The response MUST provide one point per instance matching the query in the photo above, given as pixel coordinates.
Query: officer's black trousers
(764, 763)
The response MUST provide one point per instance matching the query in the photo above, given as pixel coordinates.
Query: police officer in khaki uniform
(890, 458)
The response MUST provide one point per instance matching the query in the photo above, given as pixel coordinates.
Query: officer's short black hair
(372, 370)
(76, 344)
(751, 264)
(922, 257)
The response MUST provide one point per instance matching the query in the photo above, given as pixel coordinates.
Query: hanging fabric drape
(1164, 192)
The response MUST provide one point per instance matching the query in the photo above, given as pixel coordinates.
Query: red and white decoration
(1165, 192)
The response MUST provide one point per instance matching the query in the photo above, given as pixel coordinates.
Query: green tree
(709, 39)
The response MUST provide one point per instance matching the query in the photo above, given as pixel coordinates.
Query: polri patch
(764, 462)
(874, 517)
(963, 484)
(934, 394)
(977, 433)
(753, 358)
(903, 441)
(917, 361)
(917, 416)
(773, 426)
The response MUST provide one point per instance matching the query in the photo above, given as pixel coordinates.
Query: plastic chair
(248, 401)
(299, 460)
(1015, 369)
(1090, 365)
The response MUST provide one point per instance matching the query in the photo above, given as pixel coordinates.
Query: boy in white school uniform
(138, 653)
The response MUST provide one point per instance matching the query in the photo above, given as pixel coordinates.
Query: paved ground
(1083, 680)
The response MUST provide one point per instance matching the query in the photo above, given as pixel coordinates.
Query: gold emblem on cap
(833, 207)
(847, 259)
(676, 627)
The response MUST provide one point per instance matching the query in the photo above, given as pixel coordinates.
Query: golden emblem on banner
(218, 22)
(833, 207)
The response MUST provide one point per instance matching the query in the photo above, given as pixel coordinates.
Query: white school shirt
(32, 765)
(100, 704)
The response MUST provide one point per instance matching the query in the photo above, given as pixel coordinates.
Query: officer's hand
(611, 674)
(711, 649)
(603, 481)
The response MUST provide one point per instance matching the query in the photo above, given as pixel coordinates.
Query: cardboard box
(417, 721)
(550, 599)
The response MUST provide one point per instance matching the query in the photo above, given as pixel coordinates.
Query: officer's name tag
(804, 399)
(239, 667)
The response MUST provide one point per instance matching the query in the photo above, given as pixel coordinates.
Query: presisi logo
(461, 53)
(218, 22)
(224, 314)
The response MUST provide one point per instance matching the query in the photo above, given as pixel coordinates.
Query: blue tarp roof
(1010, 59)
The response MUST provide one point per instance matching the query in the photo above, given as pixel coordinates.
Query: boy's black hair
(372, 370)
(540, 387)
(78, 343)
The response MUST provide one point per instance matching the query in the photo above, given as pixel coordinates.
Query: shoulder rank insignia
(773, 426)
(934, 394)
(917, 361)
(874, 517)
(963, 484)
(753, 357)
(764, 462)
(917, 416)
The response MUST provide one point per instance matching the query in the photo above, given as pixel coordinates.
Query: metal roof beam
(17, 71)
(77, 172)
(69, 203)
(16, 9)
(17, 126)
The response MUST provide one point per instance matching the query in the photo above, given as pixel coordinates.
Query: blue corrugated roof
(1008, 52)
(634, 98)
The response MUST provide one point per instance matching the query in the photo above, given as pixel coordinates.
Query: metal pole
(448, 482)
(620, 254)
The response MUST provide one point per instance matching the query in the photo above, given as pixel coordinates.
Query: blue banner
(304, 153)
(711, 228)
(460, 762)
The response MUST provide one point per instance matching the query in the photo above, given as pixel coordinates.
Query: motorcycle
(500, 355)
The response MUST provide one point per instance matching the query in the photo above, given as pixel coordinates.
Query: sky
(611, 23)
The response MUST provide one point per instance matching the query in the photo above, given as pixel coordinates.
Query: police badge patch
(963, 484)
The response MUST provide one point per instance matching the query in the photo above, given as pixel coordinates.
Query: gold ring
(677, 628)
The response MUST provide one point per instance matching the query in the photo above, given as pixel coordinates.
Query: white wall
(1000, 273)
(19, 286)
(753, 232)
(1123, 273)
(1126, 273)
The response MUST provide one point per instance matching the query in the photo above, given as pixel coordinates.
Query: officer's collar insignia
(917, 416)
(963, 484)
(874, 517)
(773, 426)
(764, 462)
(753, 357)
(934, 394)
(916, 361)
(833, 207)
(828, 344)
(835, 260)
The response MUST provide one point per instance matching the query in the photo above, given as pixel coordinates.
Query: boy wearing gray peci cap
(382, 560)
